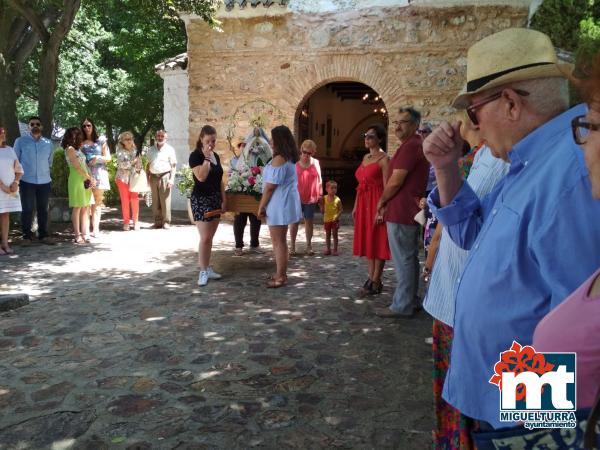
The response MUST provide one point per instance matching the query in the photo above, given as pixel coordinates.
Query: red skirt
(370, 240)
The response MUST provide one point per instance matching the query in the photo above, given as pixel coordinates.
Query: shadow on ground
(121, 349)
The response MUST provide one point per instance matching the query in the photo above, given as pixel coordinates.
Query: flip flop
(7, 251)
(2, 252)
(274, 284)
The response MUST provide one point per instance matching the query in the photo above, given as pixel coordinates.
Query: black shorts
(205, 203)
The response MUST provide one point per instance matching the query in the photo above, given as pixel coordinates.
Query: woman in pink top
(310, 187)
(574, 326)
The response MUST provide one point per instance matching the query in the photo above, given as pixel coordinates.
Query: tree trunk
(47, 83)
(110, 137)
(138, 139)
(17, 42)
(49, 63)
(8, 105)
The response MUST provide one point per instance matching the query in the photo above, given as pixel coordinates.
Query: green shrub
(60, 174)
(111, 196)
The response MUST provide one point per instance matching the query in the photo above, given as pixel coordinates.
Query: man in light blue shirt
(534, 238)
(35, 155)
(487, 170)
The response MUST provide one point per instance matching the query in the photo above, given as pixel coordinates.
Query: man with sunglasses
(399, 203)
(533, 238)
(35, 155)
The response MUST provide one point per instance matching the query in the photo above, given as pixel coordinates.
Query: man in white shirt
(161, 176)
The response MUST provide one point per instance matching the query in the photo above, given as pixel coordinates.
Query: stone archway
(360, 68)
(335, 115)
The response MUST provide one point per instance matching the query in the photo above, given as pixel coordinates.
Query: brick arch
(358, 68)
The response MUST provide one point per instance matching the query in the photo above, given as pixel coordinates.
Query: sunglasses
(472, 109)
(581, 129)
(369, 136)
(35, 124)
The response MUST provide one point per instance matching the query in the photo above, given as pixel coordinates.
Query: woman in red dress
(370, 235)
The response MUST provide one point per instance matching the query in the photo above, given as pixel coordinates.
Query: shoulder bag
(138, 181)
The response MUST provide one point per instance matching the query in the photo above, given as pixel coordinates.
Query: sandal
(79, 240)
(293, 253)
(7, 250)
(276, 283)
(310, 252)
(375, 288)
(365, 289)
(3, 252)
(238, 252)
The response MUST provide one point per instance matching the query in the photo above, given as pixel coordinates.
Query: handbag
(138, 181)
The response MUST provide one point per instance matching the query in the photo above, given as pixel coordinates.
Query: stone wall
(409, 55)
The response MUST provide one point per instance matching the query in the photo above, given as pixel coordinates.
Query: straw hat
(515, 54)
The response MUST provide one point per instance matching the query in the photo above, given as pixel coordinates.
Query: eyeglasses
(581, 129)
(471, 110)
(304, 152)
(35, 124)
(87, 125)
(369, 136)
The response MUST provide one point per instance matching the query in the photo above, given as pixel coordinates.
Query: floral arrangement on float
(245, 180)
(245, 175)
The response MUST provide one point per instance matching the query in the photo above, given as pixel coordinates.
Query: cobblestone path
(120, 349)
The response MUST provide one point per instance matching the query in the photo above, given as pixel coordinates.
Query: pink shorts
(335, 225)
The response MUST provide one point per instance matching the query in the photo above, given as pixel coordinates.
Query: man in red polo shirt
(398, 206)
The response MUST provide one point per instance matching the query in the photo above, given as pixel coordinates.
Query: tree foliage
(106, 65)
(573, 25)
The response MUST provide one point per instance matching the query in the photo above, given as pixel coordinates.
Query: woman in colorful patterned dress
(128, 160)
(97, 155)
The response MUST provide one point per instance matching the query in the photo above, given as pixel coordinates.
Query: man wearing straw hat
(534, 238)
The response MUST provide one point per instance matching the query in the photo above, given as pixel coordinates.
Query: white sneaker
(203, 278)
(212, 275)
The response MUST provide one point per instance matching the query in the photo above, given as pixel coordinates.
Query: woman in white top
(10, 173)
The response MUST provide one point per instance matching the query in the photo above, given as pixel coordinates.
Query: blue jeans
(404, 245)
(36, 195)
